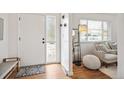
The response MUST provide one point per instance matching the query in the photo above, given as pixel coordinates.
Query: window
(96, 31)
(51, 28)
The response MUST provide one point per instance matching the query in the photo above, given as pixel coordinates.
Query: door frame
(69, 71)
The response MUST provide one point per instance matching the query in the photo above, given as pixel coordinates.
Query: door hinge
(19, 18)
(19, 38)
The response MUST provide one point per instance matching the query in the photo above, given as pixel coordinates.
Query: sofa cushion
(102, 47)
(113, 45)
(107, 45)
(110, 57)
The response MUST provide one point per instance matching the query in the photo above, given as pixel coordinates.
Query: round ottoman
(91, 62)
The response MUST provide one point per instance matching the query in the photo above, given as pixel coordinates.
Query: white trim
(70, 73)
(18, 46)
(67, 73)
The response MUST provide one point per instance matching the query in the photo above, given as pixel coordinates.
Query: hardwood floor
(80, 72)
(54, 71)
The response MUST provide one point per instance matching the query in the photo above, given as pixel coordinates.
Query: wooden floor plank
(80, 72)
(54, 71)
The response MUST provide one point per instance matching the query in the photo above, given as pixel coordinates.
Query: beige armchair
(107, 57)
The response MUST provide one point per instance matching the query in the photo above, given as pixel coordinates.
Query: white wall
(8, 47)
(12, 35)
(4, 42)
(87, 47)
(120, 42)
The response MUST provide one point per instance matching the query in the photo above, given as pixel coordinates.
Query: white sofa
(106, 55)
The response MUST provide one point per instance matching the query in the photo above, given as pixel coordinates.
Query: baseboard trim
(68, 73)
(53, 63)
(31, 65)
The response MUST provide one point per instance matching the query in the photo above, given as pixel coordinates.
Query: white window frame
(109, 30)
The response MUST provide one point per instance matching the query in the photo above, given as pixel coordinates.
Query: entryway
(40, 40)
(37, 39)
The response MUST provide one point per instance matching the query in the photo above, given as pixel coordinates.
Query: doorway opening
(51, 45)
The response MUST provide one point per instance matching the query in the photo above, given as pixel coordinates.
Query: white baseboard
(68, 73)
(53, 63)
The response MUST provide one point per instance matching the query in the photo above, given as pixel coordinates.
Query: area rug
(30, 70)
(111, 71)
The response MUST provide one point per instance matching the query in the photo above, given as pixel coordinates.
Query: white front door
(31, 46)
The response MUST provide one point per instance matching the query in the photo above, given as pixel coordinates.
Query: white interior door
(31, 35)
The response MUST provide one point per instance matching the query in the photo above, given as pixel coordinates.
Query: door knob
(43, 42)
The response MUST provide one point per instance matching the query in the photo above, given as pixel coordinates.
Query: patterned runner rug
(30, 70)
